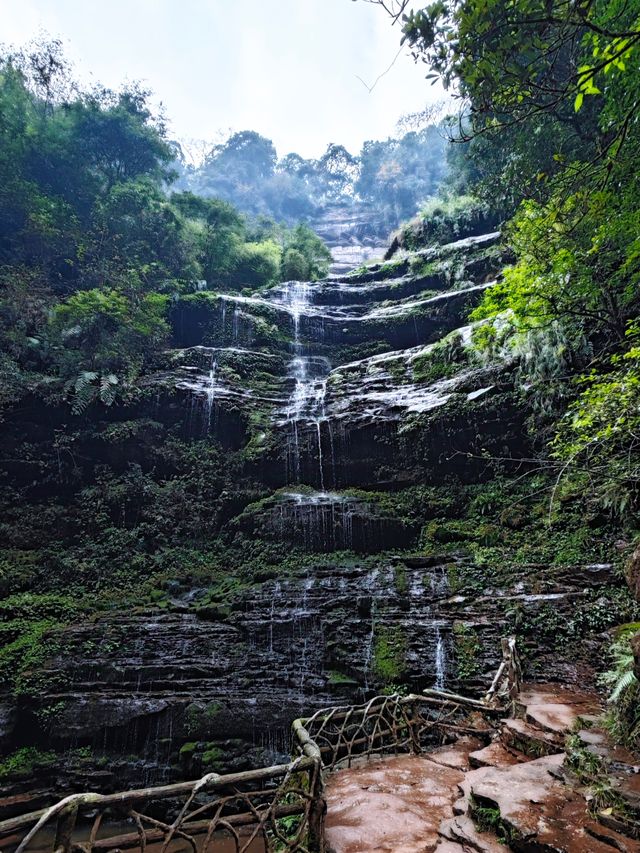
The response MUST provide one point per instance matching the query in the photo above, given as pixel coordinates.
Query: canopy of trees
(394, 175)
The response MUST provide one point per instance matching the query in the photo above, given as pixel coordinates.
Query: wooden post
(507, 680)
(416, 746)
(515, 669)
(317, 811)
(64, 828)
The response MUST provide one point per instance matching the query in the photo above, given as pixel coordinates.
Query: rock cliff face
(357, 412)
(354, 234)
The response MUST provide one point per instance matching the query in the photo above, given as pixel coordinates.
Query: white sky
(286, 68)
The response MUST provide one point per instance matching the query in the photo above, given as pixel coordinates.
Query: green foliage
(400, 580)
(93, 249)
(101, 340)
(488, 819)
(398, 174)
(336, 677)
(592, 773)
(445, 359)
(446, 219)
(305, 256)
(391, 176)
(258, 264)
(26, 761)
(550, 120)
(599, 431)
(623, 717)
(29, 651)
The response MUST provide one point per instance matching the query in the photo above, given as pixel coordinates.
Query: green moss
(467, 650)
(212, 757)
(22, 659)
(200, 720)
(335, 677)
(467, 530)
(400, 578)
(25, 761)
(389, 653)
(445, 359)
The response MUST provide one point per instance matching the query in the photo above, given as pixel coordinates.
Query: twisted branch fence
(270, 810)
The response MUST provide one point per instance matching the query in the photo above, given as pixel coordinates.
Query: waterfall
(210, 390)
(319, 432)
(306, 405)
(371, 636)
(440, 663)
(321, 521)
(369, 647)
(236, 324)
(425, 594)
(276, 592)
(440, 589)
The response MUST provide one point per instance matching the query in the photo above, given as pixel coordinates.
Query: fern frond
(108, 388)
(626, 680)
(85, 391)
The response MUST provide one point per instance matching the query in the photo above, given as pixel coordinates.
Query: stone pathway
(395, 804)
(510, 794)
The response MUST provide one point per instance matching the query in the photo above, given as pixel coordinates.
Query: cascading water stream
(424, 599)
(440, 588)
(307, 402)
(211, 390)
(440, 660)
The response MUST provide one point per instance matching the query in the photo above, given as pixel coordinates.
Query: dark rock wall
(328, 407)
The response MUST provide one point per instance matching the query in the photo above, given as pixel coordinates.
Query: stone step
(456, 754)
(554, 709)
(529, 740)
(597, 742)
(539, 813)
(617, 827)
(461, 806)
(495, 755)
(445, 846)
(627, 787)
(462, 830)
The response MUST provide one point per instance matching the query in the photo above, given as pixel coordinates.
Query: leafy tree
(599, 431)
(232, 170)
(217, 232)
(398, 174)
(294, 266)
(305, 256)
(519, 63)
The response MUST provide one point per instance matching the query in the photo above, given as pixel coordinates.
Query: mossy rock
(334, 677)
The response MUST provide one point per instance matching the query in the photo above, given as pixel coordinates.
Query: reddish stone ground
(395, 804)
(424, 804)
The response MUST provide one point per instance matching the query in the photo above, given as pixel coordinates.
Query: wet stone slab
(393, 804)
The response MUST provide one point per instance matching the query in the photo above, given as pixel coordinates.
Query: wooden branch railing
(507, 680)
(279, 808)
(389, 724)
